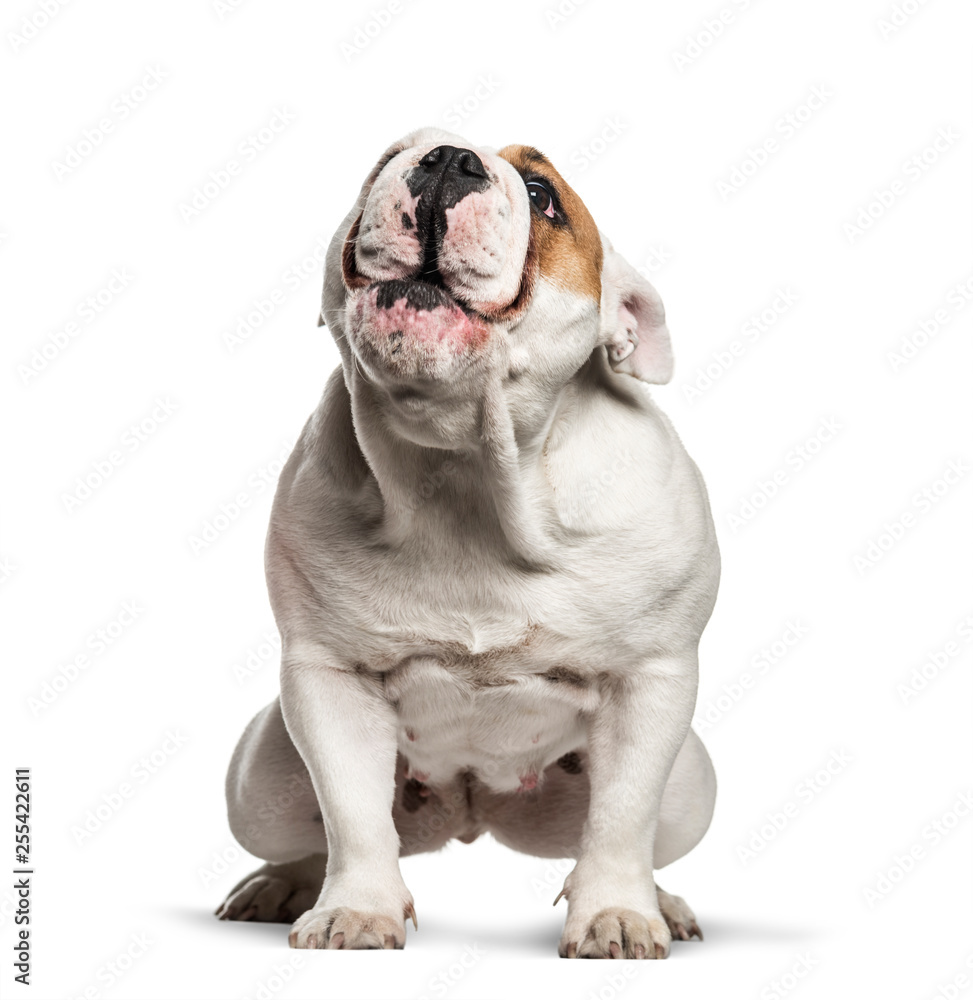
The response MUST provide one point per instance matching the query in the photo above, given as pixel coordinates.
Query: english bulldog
(490, 560)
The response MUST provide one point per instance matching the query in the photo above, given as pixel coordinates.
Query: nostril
(471, 164)
(432, 158)
(449, 158)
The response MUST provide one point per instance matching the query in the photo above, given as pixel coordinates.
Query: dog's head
(459, 264)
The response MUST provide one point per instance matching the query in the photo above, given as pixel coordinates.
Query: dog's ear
(633, 321)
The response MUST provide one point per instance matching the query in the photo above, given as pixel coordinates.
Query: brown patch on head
(568, 247)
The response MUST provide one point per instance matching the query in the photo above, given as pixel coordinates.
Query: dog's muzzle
(436, 258)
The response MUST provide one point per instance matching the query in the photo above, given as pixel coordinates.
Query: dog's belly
(505, 731)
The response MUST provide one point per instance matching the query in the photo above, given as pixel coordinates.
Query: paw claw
(679, 917)
(271, 894)
(344, 929)
(615, 932)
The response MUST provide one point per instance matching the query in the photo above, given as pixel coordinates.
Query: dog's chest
(504, 723)
(491, 679)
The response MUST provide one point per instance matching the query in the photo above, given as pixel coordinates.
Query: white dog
(490, 560)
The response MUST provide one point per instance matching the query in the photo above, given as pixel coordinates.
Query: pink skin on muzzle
(424, 334)
(403, 341)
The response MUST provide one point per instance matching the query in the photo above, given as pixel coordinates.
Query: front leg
(345, 732)
(633, 738)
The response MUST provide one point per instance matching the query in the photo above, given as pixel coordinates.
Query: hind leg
(276, 893)
(549, 822)
(679, 917)
(274, 814)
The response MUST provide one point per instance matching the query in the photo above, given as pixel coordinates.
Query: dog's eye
(540, 195)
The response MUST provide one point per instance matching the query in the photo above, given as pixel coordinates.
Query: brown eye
(540, 195)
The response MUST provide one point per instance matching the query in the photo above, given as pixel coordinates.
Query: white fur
(532, 512)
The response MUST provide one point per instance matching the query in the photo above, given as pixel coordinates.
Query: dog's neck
(492, 489)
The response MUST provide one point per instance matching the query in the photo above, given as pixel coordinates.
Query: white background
(680, 120)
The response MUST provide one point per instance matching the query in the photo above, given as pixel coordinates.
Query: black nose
(444, 176)
(450, 158)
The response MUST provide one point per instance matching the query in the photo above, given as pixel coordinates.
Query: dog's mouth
(424, 285)
(427, 273)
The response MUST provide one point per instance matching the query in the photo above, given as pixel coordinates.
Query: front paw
(342, 928)
(616, 932)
